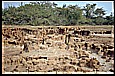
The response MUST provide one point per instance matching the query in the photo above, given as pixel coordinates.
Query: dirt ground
(58, 49)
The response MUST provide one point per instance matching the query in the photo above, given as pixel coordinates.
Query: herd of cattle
(60, 49)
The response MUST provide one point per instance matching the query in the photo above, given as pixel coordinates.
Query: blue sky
(107, 5)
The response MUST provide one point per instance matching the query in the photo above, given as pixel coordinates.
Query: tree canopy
(47, 13)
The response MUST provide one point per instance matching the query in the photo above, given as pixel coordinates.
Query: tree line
(47, 13)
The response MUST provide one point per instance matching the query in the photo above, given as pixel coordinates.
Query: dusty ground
(55, 54)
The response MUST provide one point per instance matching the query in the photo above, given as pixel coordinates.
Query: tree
(99, 21)
(89, 9)
(100, 12)
(47, 13)
(110, 19)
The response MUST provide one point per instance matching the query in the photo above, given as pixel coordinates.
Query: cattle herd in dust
(58, 49)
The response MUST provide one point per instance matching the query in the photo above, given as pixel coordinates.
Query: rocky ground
(58, 49)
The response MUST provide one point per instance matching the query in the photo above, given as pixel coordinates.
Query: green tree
(47, 13)
(89, 10)
(110, 19)
(99, 20)
(100, 12)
